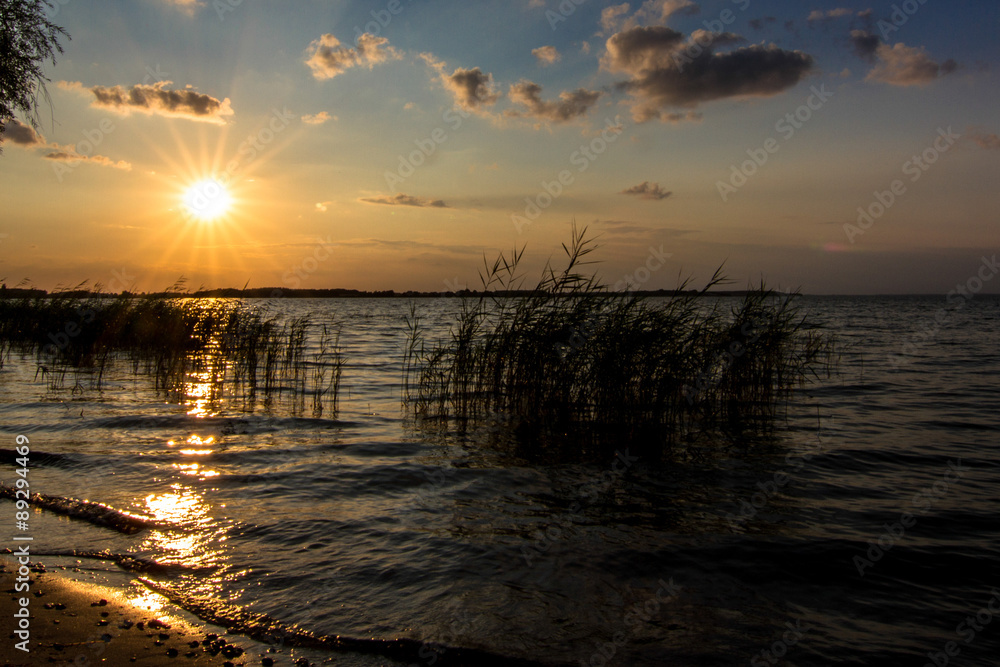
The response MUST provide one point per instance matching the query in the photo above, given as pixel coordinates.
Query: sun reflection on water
(197, 541)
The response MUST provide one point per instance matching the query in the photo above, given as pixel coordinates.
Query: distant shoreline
(278, 292)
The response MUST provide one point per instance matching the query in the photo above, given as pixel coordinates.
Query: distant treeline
(338, 293)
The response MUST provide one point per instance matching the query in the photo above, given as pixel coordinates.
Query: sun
(207, 200)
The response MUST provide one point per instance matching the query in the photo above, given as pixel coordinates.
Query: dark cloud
(472, 88)
(21, 134)
(570, 105)
(329, 58)
(26, 137)
(158, 99)
(667, 71)
(405, 200)
(647, 190)
(865, 44)
(758, 24)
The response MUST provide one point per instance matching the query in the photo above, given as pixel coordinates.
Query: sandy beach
(78, 623)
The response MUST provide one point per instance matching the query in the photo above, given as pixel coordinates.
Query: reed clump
(230, 349)
(574, 366)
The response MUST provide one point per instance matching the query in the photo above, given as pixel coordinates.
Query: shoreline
(81, 623)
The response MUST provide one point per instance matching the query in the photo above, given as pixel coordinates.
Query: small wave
(236, 425)
(262, 627)
(95, 513)
(125, 561)
(37, 457)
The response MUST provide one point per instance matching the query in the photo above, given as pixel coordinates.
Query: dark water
(372, 527)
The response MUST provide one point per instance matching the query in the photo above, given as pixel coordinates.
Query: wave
(262, 627)
(98, 514)
(127, 562)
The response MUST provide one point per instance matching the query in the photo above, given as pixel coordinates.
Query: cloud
(329, 58)
(471, 88)
(819, 15)
(546, 55)
(758, 24)
(23, 135)
(69, 154)
(667, 71)
(661, 10)
(989, 142)
(865, 44)
(317, 119)
(188, 6)
(651, 12)
(571, 105)
(405, 200)
(612, 16)
(647, 190)
(902, 65)
(157, 99)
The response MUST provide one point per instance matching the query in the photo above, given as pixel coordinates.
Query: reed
(235, 351)
(572, 366)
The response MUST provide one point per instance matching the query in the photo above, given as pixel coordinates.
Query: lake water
(373, 526)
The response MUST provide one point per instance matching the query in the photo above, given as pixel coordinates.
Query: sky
(392, 144)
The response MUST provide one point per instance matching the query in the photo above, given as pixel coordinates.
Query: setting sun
(207, 200)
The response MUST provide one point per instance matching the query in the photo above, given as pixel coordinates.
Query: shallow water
(368, 525)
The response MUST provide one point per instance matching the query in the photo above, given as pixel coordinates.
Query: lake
(864, 531)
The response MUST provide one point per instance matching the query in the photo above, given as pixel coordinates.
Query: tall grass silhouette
(574, 366)
(239, 352)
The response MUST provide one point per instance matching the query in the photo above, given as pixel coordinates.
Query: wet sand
(75, 623)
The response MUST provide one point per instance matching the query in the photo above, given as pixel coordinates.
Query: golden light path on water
(198, 541)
